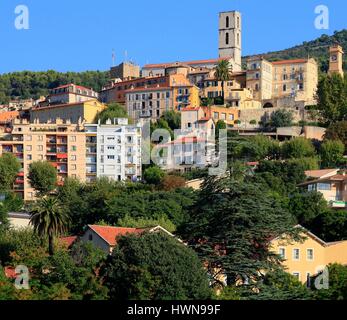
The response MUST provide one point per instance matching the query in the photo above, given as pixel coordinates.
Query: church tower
(336, 60)
(230, 37)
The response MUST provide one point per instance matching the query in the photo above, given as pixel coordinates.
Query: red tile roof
(294, 61)
(147, 89)
(71, 84)
(190, 63)
(10, 273)
(109, 234)
(69, 241)
(52, 106)
(8, 116)
(190, 109)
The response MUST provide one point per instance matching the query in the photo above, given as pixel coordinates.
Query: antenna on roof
(126, 55)
(113, 58)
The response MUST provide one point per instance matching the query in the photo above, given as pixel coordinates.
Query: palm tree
(49, 220)
(223, 73)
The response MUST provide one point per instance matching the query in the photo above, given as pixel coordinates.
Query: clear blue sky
(76, 35)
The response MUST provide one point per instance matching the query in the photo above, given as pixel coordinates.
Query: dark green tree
(173, 119)
(42, 177)
(154, 175)
(113, 111)
(154, 266)
(223, 73)
(331, 153)
(49, 220)
(332, 98)
(231, 227)
(298, 148)
(337, 131)
(281, 118)
(9, 168)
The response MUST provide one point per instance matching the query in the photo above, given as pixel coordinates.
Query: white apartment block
(114, 151)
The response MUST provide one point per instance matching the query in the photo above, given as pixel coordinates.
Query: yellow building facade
(75, 112)
(228, 115)
(309, 257)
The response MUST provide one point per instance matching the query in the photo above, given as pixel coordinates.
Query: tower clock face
(334, 57)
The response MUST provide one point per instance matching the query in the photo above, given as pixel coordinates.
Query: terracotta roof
(293, 61)
(8, 116)
(65, 105)
(109, 234)
(320, 173)
(147, 89)
(69, 241)
(190, 109)
(10, 273)
(71, 84)
(194, 62)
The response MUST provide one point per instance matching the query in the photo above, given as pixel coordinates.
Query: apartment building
(153, 102)
(309, 257)
(186, 153)
(297, 78)
(70, 93)
(61, 144)
(270, 81)
(197, 119)
(79, 151)
(85, 111)
(259, 78)
(113, 151)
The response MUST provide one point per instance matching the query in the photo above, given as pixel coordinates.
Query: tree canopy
(154, 266)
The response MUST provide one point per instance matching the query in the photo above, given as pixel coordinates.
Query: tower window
(227, 38)
(238, 22)
(238, 39)
(227, 22)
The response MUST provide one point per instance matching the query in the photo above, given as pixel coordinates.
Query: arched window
(227, 38)
(227, 22)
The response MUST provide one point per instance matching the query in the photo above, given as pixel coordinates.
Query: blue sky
(76, 35)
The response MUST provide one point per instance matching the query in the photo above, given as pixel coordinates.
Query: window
(223, 116)
(110, 147)
(40, 138)
(29, 157)
(110, 157)
(29, 148)
(215, 115)
(310, 255)
(73, 139)
(324, 186)
(296, 254)
(238, 39)
(284, 88)
(29, 138)
(39, 148)
(312, 187)
(73, 167)
(73, 148)
(227, 38)
(231, 117)
(90, 238)
(296, 275)
(73, 158)
(282, 253)
(238, 22)
(227, 22)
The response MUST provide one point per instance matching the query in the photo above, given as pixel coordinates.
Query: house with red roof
(105, 237)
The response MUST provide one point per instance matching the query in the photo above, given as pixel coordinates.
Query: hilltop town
(216, 179)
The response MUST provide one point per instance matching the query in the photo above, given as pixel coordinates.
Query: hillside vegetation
(317, 49)
(28, 84)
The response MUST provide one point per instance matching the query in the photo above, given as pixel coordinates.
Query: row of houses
(303, 259)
